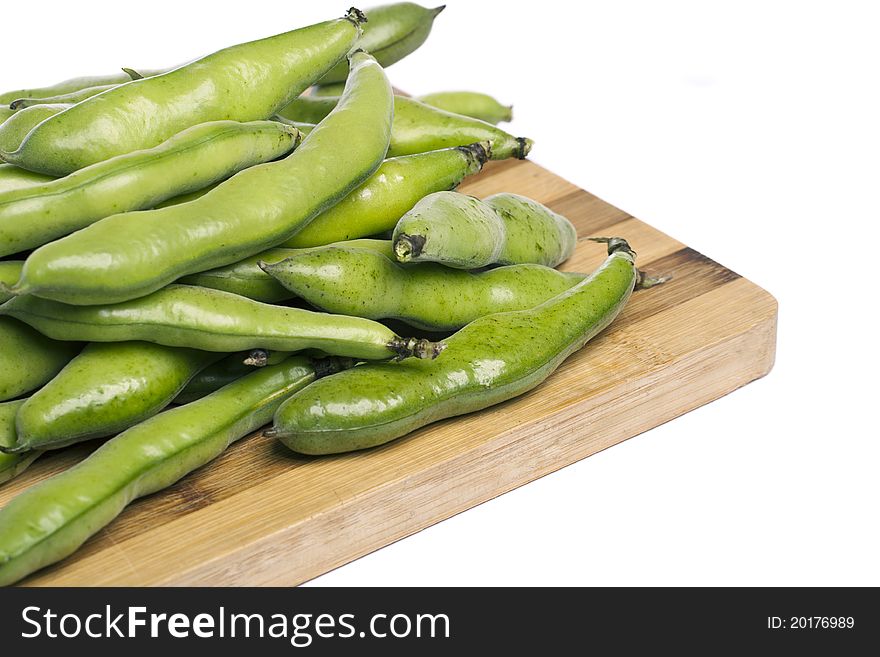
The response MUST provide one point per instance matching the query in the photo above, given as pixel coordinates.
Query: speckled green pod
(466, 233)
(199, 156)
(212, 320)
(391, 33)
(75, 84)
(489, 361)
(248, 280)
(29, 359)
(104, 390)
(13, 177)
(469, 103)
(246, 82)
(52, 519)
(16, 127)
(129, 255)
(12, 465)
(419, 128)
(377, 205)
(10, 270)
(426, 295)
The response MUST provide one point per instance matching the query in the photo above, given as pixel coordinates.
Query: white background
(748, 131)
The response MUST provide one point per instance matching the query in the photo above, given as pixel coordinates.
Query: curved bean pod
(106, 389)
(246, 82)
(14, 129)
(248, 280)
(198, 156)
(469, 103)
(13, 177)
(391, 33)
(132, 254)
(69, 98)
(5, 113)
(463, 232)
(428, 296)
(418, 127)
(212, 320)
(491, 360)
(51, 520)
(75, 84)
(12, 465)
(28, 359)
(10, 270)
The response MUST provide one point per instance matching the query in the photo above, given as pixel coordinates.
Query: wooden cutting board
(262, 515)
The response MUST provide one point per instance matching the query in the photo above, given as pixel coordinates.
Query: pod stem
(615, 244)
(257, 358)
(356, 16)
(436, 10)
(644, 282)
(415, 347)
(525, 147)
(480, 152)
(407, 247)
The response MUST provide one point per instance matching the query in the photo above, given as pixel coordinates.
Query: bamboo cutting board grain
(262, 515)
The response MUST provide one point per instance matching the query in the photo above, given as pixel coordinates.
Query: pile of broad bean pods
(191, 254)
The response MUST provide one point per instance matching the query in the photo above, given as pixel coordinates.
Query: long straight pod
(213, 320)
(132, 254)
(492, 359)
(199, 156)
(246, 82)
(52, 519)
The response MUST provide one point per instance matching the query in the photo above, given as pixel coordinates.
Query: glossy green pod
(50, 520)
(466, 233)
(29, 359)
(106, 389)
(247, 279)
(75, 84)
(129, 255)
(69, 98)
(246, 82)
(10, 270)
(213, 320)
(12, 465)
(425, 295)
(469, 103)
(418, 128)
(397, 185)
(16, 127)
(491, 360)
(199, 156)
(391, 33)
(13, 177)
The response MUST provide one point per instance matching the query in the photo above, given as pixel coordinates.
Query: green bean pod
(246, 82)
(129, 255)
(69, 98)
(466, 233)
(14, 129)
(104, 390)
(212, 320)
(76, 84)
(418, 128)
(198, 156)
(397, 185)
(491, 360)
(28, 359)
(51, 520)
(248, 280)
(391, 33)
(428, 295)
(13, 177)
(469, 103)
(5, 113)
(12, 465)
(10, 270)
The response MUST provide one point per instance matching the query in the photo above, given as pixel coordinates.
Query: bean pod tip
(356, 16)
(525, 147)
(407, 247)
